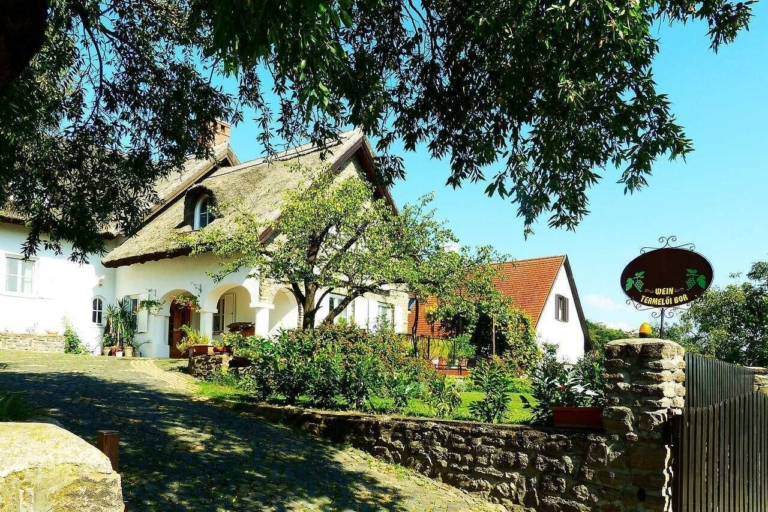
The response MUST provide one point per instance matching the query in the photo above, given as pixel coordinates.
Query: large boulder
(44, 467)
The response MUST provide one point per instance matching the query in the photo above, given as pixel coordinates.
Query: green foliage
(191, 338)
(94, 120)
(491, 377)
(729, 323)
(442, 396)
(335, 237)
(552, 91)
(120, 324)
(72, 342)
(590, 373)
(600, 335)
(15, 407)
(556, 383)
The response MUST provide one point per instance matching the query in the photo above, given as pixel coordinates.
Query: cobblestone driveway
(185, 454)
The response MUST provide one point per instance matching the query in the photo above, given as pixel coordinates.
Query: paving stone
(181, 453)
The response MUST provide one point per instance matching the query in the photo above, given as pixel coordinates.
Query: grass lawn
(416, 407)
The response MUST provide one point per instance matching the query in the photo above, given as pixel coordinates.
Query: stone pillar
(761, 379)
(206, 323)
(261, 320)
(644, 391)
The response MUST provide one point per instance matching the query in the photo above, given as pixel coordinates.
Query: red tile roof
(528, 282)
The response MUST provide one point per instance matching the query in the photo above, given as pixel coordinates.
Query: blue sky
(716, 199)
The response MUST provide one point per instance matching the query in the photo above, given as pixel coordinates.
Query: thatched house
(155, 263)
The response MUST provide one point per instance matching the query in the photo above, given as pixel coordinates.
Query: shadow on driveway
(188, 455)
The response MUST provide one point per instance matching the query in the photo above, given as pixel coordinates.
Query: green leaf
(629, 285)
(702, 280)
(692, 271)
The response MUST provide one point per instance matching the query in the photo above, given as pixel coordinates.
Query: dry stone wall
(626, 468)
(32, 342)
(761, 379)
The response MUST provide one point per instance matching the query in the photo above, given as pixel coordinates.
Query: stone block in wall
(32, 342)
(44, 467)
(206, 365)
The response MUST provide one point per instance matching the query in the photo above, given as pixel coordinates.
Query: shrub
(590, 372)
(492, 378)
(72, 342)
(442, 396)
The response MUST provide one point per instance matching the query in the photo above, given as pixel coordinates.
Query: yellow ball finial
(645, 330)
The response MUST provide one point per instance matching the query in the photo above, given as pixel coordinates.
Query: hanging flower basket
(185, 301)
(578, 417)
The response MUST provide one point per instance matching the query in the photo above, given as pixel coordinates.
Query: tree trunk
(415, 329)
(22, 32)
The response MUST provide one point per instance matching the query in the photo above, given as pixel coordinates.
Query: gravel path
(182, 453)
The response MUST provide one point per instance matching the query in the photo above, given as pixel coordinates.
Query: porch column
(159, 346)
(261, 320)
(206, 323)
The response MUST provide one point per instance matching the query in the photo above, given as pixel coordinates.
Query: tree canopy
(334, 236)
(542, 95)
(600, 334)
(729, 323)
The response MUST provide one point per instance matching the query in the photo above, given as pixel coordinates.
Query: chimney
(222, 133)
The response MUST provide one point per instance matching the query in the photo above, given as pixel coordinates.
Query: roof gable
(258, 185)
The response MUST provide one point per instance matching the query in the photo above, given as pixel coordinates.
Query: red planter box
(580, 417)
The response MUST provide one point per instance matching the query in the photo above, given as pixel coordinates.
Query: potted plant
(152, 306)
(223, 345)
(564, 395)
(120, 326)
(463, 350)
(186, 301)
(194, 343)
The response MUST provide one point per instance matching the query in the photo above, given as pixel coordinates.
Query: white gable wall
(569, 336)
(61, 289)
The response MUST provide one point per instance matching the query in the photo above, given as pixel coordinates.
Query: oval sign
(667, 277)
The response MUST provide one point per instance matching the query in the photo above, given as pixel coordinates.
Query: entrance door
(179, 316)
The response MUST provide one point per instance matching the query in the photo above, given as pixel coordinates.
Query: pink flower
(562, 388)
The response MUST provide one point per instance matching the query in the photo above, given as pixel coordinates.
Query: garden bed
(516, 414)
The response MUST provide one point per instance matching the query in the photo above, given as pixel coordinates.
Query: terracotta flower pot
(201, 350)
(578, 417)
(128, 351)
(222, 350)
(105, 351)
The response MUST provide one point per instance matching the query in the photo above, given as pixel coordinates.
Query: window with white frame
(333, 301)
(203, 213)
(386, 314)
(97, 311)
(561, 308)
(19, 274)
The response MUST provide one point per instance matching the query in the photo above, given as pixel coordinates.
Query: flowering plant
(186, 301)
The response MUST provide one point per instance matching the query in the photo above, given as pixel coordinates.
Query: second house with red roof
(546, 290)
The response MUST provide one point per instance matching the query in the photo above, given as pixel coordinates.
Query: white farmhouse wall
(569, 336)
(61, 289)
(163, 279)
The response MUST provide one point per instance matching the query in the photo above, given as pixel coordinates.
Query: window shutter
(142, 317)
(567, 307)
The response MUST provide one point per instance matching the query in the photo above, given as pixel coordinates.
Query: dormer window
(203, 213)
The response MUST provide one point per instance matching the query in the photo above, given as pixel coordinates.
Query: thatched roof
(258, 186)
(167, 188)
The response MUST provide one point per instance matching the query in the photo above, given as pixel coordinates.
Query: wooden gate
(721, 441)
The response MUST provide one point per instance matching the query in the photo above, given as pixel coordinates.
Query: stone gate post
(644, 391)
